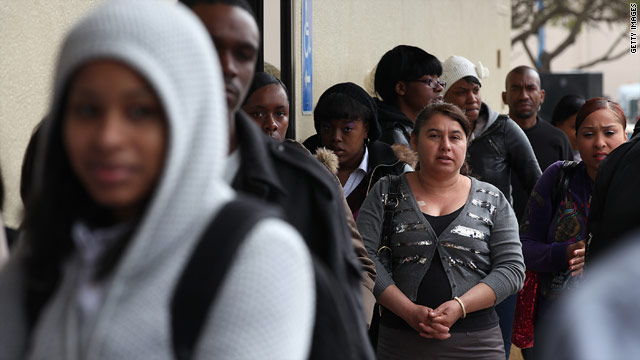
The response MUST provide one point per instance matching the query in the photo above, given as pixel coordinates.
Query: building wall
(591, 44)
(30, 34)
(349, 37)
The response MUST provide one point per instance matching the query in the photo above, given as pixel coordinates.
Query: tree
(574, 15)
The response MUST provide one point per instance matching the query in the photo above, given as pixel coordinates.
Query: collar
(365, 160)
(481, 122)
(357, 175)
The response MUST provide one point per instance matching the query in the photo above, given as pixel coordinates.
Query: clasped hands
(435, 323)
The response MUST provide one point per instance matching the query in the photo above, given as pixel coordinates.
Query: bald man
(524, 96)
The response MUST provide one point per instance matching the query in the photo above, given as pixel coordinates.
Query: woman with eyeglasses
(406, 80)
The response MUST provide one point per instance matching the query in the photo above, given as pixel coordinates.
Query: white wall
(349, 37)
(30, 33)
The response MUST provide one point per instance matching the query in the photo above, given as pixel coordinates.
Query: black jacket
(503, 148)
(382, 161)
(550, 144)
(395, 126)
(287, 175)
(615, 200)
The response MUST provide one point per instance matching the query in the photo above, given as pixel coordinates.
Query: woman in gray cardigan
(129, 179)
(455, 250)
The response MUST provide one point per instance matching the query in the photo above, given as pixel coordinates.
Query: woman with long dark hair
(554, 229)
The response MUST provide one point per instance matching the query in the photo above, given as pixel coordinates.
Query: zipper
(494, 146)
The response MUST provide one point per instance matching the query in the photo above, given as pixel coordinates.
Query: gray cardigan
(480, 245)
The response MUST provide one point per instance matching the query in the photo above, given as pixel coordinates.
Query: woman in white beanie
(497, 148)
(129, 178)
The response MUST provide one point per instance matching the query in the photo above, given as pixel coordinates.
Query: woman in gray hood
(129, 179)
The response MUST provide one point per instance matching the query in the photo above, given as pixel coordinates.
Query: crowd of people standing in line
(409, 203)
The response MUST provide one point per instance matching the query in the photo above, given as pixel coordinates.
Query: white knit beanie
(458, 67)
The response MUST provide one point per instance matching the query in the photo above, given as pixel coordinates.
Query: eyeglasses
(433, 83)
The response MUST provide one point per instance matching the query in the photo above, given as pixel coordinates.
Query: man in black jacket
(287, 175)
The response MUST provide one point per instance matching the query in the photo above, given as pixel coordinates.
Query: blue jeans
(506, 311)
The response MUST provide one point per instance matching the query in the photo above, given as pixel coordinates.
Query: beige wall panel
(30, 33)
(350, 36)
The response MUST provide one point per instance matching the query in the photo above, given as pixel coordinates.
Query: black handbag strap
(207, 267)
(391, 200)
(563, 179)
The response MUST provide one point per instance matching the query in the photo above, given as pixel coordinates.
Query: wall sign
(307, 58)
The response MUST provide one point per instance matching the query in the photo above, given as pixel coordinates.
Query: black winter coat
(501, 150)
(382, 161)
(287, 175)
(395, 126)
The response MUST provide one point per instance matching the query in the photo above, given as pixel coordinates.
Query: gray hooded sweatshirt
(264, 307)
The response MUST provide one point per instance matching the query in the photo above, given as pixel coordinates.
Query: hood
(328, 158)
(488, 115)
(405, 154)
(169, 47)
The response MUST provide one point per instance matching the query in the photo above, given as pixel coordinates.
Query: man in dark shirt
(288, 176)
(524, 96)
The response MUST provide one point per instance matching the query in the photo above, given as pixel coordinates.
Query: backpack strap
(207, 268)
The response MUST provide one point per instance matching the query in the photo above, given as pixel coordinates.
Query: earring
(367, 142)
